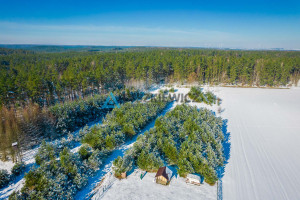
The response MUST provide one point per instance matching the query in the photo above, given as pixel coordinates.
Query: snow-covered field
(264, 125)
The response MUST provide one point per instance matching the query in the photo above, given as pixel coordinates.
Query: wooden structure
(163, 175)
(18, 156)
(193, 179)
(123, 175)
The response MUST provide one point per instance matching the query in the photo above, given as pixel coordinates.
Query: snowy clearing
(134, 188)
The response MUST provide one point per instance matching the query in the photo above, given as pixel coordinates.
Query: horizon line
(149, 46)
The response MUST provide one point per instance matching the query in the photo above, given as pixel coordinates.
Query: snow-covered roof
(194, 176)
(14, 144)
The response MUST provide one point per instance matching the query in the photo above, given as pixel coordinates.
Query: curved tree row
(122, 123)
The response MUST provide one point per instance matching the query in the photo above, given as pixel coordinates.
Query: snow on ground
(264, 125)
(6, 165)
(136, 189)
(17, 183)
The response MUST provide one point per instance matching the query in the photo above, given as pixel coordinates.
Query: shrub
(15, 195)
(18, 168)
(197, 95)
(4, 178)
(121, 165)
(84, 151)
(45, 153)
(148, 162)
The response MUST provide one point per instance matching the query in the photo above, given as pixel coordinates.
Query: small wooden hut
(163, 175)
(123, 175)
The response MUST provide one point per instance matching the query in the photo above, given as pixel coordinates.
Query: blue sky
(218, 23)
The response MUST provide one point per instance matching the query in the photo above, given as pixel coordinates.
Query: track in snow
(264, 125)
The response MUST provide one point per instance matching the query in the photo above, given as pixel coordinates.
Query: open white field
(264, 125)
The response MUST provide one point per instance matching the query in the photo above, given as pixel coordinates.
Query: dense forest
(189, 138)
(47, 78)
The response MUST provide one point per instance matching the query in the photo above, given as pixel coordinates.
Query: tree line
(47, 78)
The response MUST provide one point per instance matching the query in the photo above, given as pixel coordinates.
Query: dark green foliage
(170, 151)
(4, 178)
(197, 95)
(148, 161)
(186, 137)
(15, 195)
(67, 164)
(121, 165)
(59, 177)
(84, 152)
(50, 77)
(122, 123)
(18, 168)
(36, 180)
(45, 153)
(172, 90)
(73, 115)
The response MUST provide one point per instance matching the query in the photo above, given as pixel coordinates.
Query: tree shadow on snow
(226, 148)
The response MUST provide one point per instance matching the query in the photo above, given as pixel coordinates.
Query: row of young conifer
(187, 137)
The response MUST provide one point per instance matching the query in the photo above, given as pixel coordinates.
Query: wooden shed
(163, 175)
(193, 179)
(123, 175)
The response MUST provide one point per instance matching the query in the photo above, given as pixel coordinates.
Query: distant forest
(47, 78)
